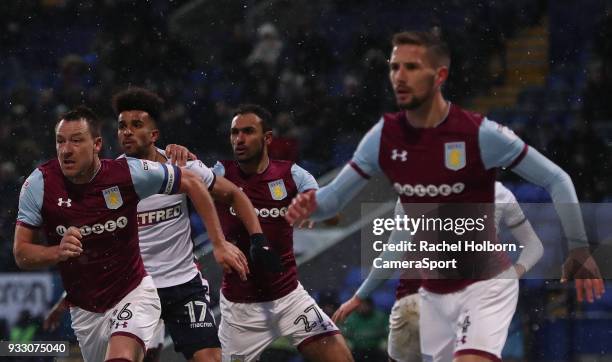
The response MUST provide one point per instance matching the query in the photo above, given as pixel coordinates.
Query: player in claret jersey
(165, 234)
(435, 152)
(271, 303)
(87, 210)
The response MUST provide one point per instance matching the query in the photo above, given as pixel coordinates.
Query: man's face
(76, 147)
(247, 137)
(137, 133)
(412, 75)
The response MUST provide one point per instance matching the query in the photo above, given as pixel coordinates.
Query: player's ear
(268, 137)
(97, 144)
(154, 135)
(441, 75)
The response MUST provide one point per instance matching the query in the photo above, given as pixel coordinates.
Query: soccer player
(87, 210)
(271, 303)
(433, 151)
(165, 235)
(403, 344)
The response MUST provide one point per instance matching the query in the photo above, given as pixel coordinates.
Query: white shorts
(474, 320)
(159, 335)
(136, 315)
(404, 345)
(246, 329)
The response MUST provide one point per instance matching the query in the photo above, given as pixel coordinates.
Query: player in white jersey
(165, 234)
(404, 342)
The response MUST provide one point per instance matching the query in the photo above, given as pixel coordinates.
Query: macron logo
(61, 202)
(395, 154)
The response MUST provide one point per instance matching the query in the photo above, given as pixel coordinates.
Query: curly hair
(141, 99)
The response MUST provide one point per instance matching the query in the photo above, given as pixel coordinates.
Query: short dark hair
(83, 113)
(259, 111)
(436, 47)
(141, 99)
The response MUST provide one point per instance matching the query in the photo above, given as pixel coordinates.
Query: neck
(255, 166)
(153, 155)
(430, 114)
(88, 174)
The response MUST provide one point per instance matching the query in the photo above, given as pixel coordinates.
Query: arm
(377, 275)
(539, 170)
(515, 220)
(579, 264)
(260, 250)
(32, 256)
(29, 255)
(225, 191)
(500, 147)
(226, 254)
(330, 199)
(533, 249)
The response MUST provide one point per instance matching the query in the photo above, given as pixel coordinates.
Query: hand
(309, 224)
(262, 254)
(53, 318)
(231, 258)
(581, 267)
(346, 309)
(179, 155)
(302, 206)
(70, 246)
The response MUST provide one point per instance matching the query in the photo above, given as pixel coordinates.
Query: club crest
(112, 197)
(454, 155)
(277, 189)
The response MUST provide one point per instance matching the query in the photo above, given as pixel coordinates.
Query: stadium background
(544, 68)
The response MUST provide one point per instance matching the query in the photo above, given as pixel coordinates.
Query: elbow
(20, 258)
(538, 251)
(558, 178)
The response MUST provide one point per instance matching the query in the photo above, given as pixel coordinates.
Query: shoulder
(49, 166)
(282, 165)
(468, 120)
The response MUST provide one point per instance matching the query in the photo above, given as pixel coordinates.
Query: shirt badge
(454, 155)
(277, 189)
(112, 197)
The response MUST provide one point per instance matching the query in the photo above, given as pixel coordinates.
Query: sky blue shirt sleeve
(150, 178)
(303, 179)
(218, 169)
(366, 155)
(205, 173)
(333, 197)
(499, 146)
(31, 198)
(537, 169)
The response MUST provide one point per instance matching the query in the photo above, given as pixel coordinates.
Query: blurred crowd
(320, 66)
